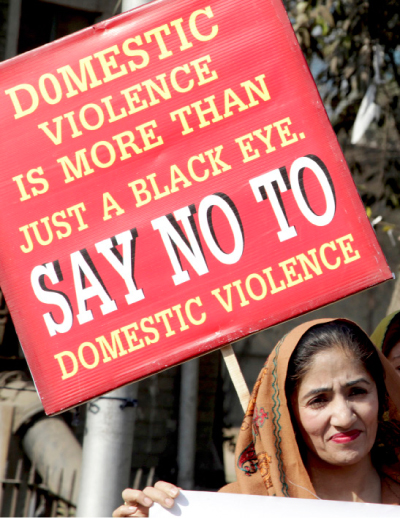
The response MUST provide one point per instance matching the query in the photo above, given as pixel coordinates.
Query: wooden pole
(236, 375)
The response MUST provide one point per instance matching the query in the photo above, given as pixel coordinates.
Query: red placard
(170, 184)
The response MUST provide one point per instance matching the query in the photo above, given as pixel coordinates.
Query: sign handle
(236, 375)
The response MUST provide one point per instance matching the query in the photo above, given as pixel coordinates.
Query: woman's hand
(138, 502)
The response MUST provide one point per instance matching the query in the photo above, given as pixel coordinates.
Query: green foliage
(349, 44)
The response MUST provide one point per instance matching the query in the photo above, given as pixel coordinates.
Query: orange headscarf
(268, 460)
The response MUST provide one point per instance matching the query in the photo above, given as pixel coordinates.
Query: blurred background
(180, 425)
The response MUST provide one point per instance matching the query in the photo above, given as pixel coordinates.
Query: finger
(135, 497)
(161, 494)
(168, 488)
(131, 511)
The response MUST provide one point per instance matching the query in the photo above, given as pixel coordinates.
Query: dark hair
(345, 335)
(392, 335)
(352, 339)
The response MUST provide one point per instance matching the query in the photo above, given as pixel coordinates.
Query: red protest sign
(170, 184)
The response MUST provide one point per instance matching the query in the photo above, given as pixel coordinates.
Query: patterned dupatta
(268, 460)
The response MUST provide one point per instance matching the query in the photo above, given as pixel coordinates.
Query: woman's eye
(357, 391)
(317, 402)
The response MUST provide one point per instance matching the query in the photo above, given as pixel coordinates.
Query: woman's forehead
(333, 366)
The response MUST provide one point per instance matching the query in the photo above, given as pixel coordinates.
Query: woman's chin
(340, 456)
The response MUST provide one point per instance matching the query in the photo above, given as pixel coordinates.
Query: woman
(386, 337)
(320, 424)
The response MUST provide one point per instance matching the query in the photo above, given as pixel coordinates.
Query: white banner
(199, 505)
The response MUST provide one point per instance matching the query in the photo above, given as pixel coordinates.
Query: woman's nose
(343, 415)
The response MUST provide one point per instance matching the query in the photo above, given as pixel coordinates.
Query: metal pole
(13, 19)
(107, 453)
(6, 419)
(188, 423)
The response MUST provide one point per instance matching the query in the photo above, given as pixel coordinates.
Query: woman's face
(394, 357)
(336, 409)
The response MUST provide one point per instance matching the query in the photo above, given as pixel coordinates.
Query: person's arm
(138, 502)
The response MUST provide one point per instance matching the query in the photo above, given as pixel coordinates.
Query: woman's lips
(346, 437)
